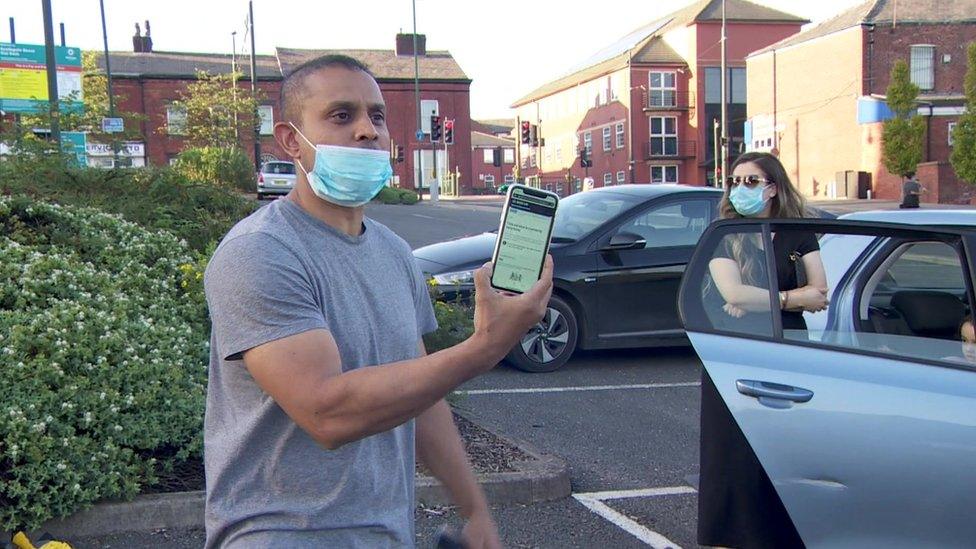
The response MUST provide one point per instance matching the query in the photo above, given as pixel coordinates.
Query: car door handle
(765, 389)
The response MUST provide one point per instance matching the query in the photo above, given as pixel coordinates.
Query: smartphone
(523, 238)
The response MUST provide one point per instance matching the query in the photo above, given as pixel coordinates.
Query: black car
(619, 255)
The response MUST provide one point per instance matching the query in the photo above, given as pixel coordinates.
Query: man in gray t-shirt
(320, 390)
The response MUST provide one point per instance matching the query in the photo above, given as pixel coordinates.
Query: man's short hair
(293, 86)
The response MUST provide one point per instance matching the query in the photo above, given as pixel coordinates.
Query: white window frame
(488, 156)
(952, 128)
(922, 66)
(663, 169)
(489, 180)
(664, 136)
(621, 135)
(665, 94)
(508, 155)
(509, 179)
(607, 179)
(607, 142)
(588, 143)
(175, 120)
(266, 116)
(621, 177)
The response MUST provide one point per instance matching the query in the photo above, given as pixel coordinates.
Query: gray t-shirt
(278, 273)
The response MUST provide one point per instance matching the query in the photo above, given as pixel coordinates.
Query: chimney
(137, 40)
(404, 44)
(147, 40)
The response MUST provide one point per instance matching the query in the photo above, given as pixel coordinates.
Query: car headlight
(453, 279)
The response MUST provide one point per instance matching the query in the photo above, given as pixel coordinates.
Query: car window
(676, 224)
(906, 298)
(283, 168)
(581, 213)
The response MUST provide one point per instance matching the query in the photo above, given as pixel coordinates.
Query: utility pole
(715, 151)
(62, 35)
(254, 88)
(416, 95)
(108, 79)
(52, 73)
(725, 111)
(518, 150)
(233, 79)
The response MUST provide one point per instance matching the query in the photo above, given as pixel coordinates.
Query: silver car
(276, 178)
(865, 421)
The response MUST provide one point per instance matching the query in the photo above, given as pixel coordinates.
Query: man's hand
(481, 532)
(500, 320)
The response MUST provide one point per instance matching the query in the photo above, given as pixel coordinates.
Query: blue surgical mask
(748, 202)
(347, 176)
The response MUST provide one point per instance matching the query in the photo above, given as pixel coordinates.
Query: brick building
(817, 98)
(151, 80)
(492, 159)
(644, 106)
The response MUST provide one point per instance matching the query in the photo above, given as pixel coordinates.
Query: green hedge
(223, 167)
(103, 355)
(390, 195)
(157, 198)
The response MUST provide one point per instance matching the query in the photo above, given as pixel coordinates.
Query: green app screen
(525, 236)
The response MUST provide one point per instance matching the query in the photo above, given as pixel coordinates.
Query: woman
(737, 505)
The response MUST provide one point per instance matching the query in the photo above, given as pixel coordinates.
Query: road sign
(76, 143)
(420, 135)
(23, 78)
(112, 125)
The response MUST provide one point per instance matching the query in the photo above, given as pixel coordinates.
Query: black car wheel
(548, 346)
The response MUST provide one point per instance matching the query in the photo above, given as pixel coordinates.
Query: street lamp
(630, 133)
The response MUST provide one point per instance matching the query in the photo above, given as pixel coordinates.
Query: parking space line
(580, 388)
(632, 527)
(644, 493)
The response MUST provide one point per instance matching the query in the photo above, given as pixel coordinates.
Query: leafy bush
(221, 166)
(408, 197)
(157, 198)
(390, 195)
(455, 322)
(103, 355)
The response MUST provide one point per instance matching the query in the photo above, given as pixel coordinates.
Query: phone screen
(523, 239)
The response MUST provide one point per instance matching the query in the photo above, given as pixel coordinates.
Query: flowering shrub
(103, 355)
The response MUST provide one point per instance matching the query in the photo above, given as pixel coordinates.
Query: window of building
(923, 67)
(489, 180)
(620, 177)
(664, 174)
(509, 179)
(607, 145)
(607, 178)
(509, 156)
(588, 142)
(952, 128)
(266, 115)
(489, 155)
(736, 85)
(664, 136)
(662, 91)
(620, 135)
(175, 120)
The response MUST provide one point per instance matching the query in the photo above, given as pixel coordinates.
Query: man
(317, 366)
(910, 192)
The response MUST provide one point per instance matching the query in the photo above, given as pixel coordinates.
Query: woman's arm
(728, 280)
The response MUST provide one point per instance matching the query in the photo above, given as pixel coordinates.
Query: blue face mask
(748, 202)
(347, 176)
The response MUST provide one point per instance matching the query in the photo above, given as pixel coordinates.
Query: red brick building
(151, 80)
(492, 159)
(644, 106)
(817, 98)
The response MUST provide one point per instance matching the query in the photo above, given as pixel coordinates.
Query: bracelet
(784, 300)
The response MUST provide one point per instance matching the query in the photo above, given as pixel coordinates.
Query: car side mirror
(626, 241)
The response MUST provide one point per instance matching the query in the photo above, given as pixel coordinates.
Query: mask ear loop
(299, 160)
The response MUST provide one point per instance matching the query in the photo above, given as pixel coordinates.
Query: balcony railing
(659, 148)
(668, 100)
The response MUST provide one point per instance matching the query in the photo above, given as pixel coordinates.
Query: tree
(215, 114)
(902, 137)
(964, 136)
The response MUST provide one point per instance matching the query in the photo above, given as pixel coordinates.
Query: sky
(507, 47)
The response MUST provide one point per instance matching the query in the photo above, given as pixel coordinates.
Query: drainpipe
(870, 27)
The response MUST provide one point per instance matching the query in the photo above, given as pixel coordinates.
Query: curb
(544, 478)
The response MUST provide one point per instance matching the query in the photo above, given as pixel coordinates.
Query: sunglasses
(749, 181)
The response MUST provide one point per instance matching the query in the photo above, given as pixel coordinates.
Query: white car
(864, 418)
(276, 178)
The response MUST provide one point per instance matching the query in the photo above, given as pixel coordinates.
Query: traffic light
(585, 160)
(399, 154)
(449, 132)
(435, 129)
(526, 131)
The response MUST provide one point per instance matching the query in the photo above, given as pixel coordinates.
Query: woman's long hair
(787, 204)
